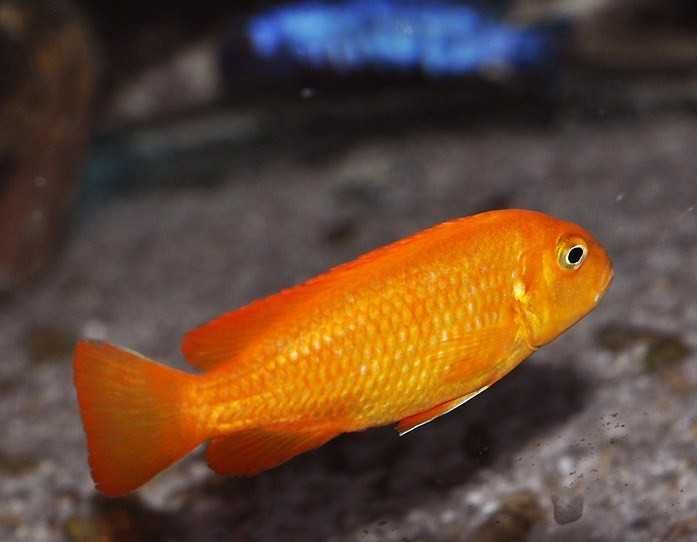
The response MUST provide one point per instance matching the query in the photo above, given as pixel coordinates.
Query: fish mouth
(607, 280)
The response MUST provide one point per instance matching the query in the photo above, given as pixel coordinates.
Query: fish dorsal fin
(224, 338)
(221, 340)
(252, 451)
(422, 418)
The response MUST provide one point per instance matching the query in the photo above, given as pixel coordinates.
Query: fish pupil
(575, 255)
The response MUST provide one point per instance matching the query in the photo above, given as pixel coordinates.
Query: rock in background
(48, 67)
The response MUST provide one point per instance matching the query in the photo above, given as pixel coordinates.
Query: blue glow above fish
(436, 37)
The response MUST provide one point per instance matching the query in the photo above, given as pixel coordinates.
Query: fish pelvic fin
(422, 418)
(131, 413)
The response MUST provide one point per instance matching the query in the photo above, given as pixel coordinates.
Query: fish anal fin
(251, 451)
(417, 420)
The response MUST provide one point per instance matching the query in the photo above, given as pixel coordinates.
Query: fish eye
(573, 255)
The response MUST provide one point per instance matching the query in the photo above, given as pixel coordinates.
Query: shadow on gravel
(367, 477)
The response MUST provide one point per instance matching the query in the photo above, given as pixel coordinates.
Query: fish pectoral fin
(497, 358)
(252, 451)
(417, 420)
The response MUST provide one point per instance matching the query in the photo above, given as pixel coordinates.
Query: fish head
(567, 271)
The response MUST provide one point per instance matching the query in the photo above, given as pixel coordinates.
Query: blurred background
(164, 162)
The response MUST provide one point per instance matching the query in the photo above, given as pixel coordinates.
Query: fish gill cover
(439, 38)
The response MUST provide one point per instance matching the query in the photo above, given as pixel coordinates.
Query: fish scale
(403, 334)
(375, 346)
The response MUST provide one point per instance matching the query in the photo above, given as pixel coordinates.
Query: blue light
(437, 37)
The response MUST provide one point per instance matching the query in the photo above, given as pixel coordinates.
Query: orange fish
(403, 334)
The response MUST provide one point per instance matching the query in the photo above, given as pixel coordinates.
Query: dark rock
(616, 337)
(7, 385)
(14, 465)
(568, 506)
(683, 530)
(48, 343)
(79, 529)
(518, 513)
(10, 520)
(121, 520)
(664, 349)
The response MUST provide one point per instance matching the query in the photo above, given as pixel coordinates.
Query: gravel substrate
(592, 439)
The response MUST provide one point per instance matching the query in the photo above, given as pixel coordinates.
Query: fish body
(401, 335)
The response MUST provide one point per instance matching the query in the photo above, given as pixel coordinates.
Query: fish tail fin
(131, 412)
